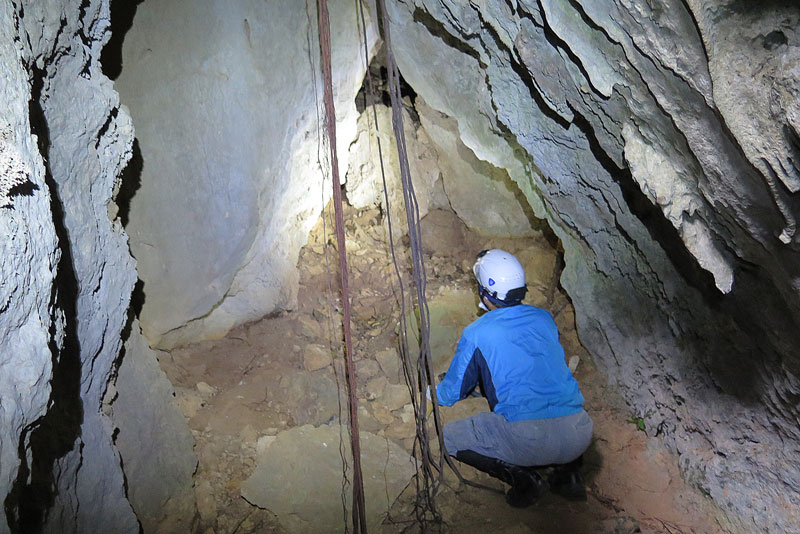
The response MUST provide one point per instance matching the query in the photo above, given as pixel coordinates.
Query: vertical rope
(359, 511)
(419, 372)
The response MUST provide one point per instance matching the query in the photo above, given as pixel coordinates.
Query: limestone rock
(85, 139)
(375, 387)
(29, 256)
(650, 178)
(395, 396)
(367, 368)
(206, 502)
(484, 196)
(364, 180)
(217, 242)
(450, 311)
(316, 357)
(313, 397)
(299, 478)
(205, 389)
(154, 441)
(391, 365)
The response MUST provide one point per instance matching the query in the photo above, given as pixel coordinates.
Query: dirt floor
(239, 392)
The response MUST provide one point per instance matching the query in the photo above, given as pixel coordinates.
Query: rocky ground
(242, 393)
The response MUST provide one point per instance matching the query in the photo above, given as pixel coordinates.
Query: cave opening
(170, 284)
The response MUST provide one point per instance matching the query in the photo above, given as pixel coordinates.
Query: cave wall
(625, 125)
(30, 323)
(68, 451)
(227, 99)
(67, 279)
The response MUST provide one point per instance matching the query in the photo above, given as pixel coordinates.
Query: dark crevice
(559, 44)
(438, 29)
(651, 216)
(793, 142)
(106, 125)
(130, 182)
(379, 76)
(525, 75)
(25, 189)
(54, 434)
(122, 14)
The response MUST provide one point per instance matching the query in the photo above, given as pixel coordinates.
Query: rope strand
(359, 509)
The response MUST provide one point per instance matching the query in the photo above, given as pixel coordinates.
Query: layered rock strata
(658, 140)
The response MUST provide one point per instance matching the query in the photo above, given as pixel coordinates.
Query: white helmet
(501, 277)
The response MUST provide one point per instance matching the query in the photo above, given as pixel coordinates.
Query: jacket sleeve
(455, 384)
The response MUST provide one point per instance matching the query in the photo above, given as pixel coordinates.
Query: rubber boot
(566, 480)
(526, 484)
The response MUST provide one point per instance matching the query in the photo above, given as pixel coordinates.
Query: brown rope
(359, 510)
(418, 371)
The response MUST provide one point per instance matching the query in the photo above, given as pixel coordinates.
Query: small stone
(190, 404)
(310, 327)
(382, 415)
(367, 422)
(366, 369)
(400, 431)
(390, 364)
(395, 396)
(376, 387)
(573, 363)
(264, 442)
(206, 504)
(205, 389)
(316, 357)
(248, 434)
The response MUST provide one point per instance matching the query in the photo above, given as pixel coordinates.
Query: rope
(418, 372)
(359, 509)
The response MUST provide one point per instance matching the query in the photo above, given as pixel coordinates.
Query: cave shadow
(130, 183)
(731, 367)
(26, 189)
(122, 15)
(54, 435)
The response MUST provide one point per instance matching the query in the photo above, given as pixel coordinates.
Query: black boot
(526, 484)
(566, 480)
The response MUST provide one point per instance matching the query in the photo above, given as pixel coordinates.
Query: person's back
(513, 354)
(520, 365)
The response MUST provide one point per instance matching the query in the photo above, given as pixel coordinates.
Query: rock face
(74, 322)
(30, 323)
(66, 270)
(227, 100)
(659, 140)
(299, 478)
(154, 441)
(365, 182)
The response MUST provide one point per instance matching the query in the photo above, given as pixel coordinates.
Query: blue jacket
(514, 354)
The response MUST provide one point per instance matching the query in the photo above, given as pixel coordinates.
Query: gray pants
(533, 442)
